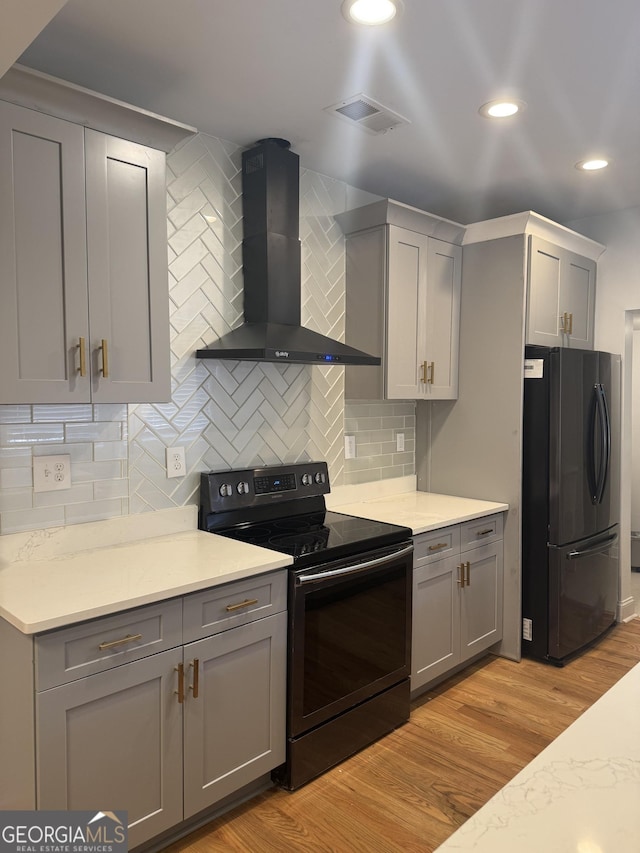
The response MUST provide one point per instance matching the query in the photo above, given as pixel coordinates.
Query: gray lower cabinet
(131, 714)
(457, 596)
(83, 264)
(114, 741)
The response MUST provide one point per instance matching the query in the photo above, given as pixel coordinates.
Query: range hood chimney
(272, 270)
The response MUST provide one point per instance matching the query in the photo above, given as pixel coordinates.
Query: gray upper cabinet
(83, 264)
(561, 296)
(403, 280)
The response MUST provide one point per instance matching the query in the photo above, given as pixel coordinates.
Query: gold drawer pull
(246, 603)
(467, 574)
(105, 358)
(82, 369)
(195, 663)
(485, 531)
(180, 691)
(461, 575)
(439, 546)
(130, 638)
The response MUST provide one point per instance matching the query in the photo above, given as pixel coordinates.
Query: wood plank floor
(409, 791)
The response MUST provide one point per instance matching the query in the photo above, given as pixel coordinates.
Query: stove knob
(306, 480)
(242, 488)
(320, 478)
(225, 490)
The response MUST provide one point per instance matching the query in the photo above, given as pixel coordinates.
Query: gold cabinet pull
(563, 322)
(195, 664)
(105, 358)
(467, 574)
(424, 369)
(432, 373)
(460, 575)
(485, 531)
(130, 638)
(180, 691)
(439, 546)
(82, 348)
(246, 603)
(570, 324)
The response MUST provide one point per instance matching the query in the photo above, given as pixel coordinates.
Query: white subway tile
(82, 472)
(16, 478)
(99, 431)
(62, 413)
(77, 452)
(94, 511)
(107, 489)
(81, 493)
(16, 457)
(15, 414)
(23, 434)
(109, 450)
(33, 519)
(110, 412)
(16, 499)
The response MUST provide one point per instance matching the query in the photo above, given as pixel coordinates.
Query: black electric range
(283, 508)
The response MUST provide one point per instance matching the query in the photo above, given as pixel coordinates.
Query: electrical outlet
(176, 464)
(400, 441)
(51, 473)
(349, 447)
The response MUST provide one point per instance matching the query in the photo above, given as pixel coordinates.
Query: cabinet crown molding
(389, 212)
(46, 94)
(529, 222)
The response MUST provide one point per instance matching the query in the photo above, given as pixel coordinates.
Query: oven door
(350, 633)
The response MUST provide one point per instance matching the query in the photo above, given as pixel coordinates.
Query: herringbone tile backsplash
(225, 414)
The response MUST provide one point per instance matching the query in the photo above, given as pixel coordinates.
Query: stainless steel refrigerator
(570, 506)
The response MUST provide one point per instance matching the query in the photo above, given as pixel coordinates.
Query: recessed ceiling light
(501, 108)
(592, 165)
(371, 12)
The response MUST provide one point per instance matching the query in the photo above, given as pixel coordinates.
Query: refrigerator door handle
(605, 441)
(602, 545)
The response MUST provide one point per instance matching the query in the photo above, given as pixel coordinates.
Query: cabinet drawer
(480, 531)
(435, 545)
(69, 653)
(215, 610)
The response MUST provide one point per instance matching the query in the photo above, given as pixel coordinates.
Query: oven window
(355, 633)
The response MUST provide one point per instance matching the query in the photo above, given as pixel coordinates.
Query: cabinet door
(444, 278)
(561, 297)
(481, 599)
(579, 293)
(406, 310)
(43, 269)
(127, 270)
(435, 643)
(235, 727)
(114, 741)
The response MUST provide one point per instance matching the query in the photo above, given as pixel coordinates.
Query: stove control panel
(222, 491)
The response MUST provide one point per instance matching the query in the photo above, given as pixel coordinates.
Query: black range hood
(271, 262)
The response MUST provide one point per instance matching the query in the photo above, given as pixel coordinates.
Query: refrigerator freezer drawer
(583, 592)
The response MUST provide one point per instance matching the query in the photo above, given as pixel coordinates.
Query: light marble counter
(580, 795)
(421, 511)
(55, 577)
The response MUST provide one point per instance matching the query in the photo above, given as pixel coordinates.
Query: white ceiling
(245, 69)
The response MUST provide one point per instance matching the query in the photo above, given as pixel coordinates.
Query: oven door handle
(352, 570)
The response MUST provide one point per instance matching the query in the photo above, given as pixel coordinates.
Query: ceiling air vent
(367, 113)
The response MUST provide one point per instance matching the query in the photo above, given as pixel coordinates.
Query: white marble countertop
(55, 577)
(421, 511)
(580, 795)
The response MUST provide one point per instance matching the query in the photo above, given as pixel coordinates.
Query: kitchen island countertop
(59, 576)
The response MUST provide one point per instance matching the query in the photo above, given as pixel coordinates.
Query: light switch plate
(51, 473)
(400, 441)
(176, 464)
